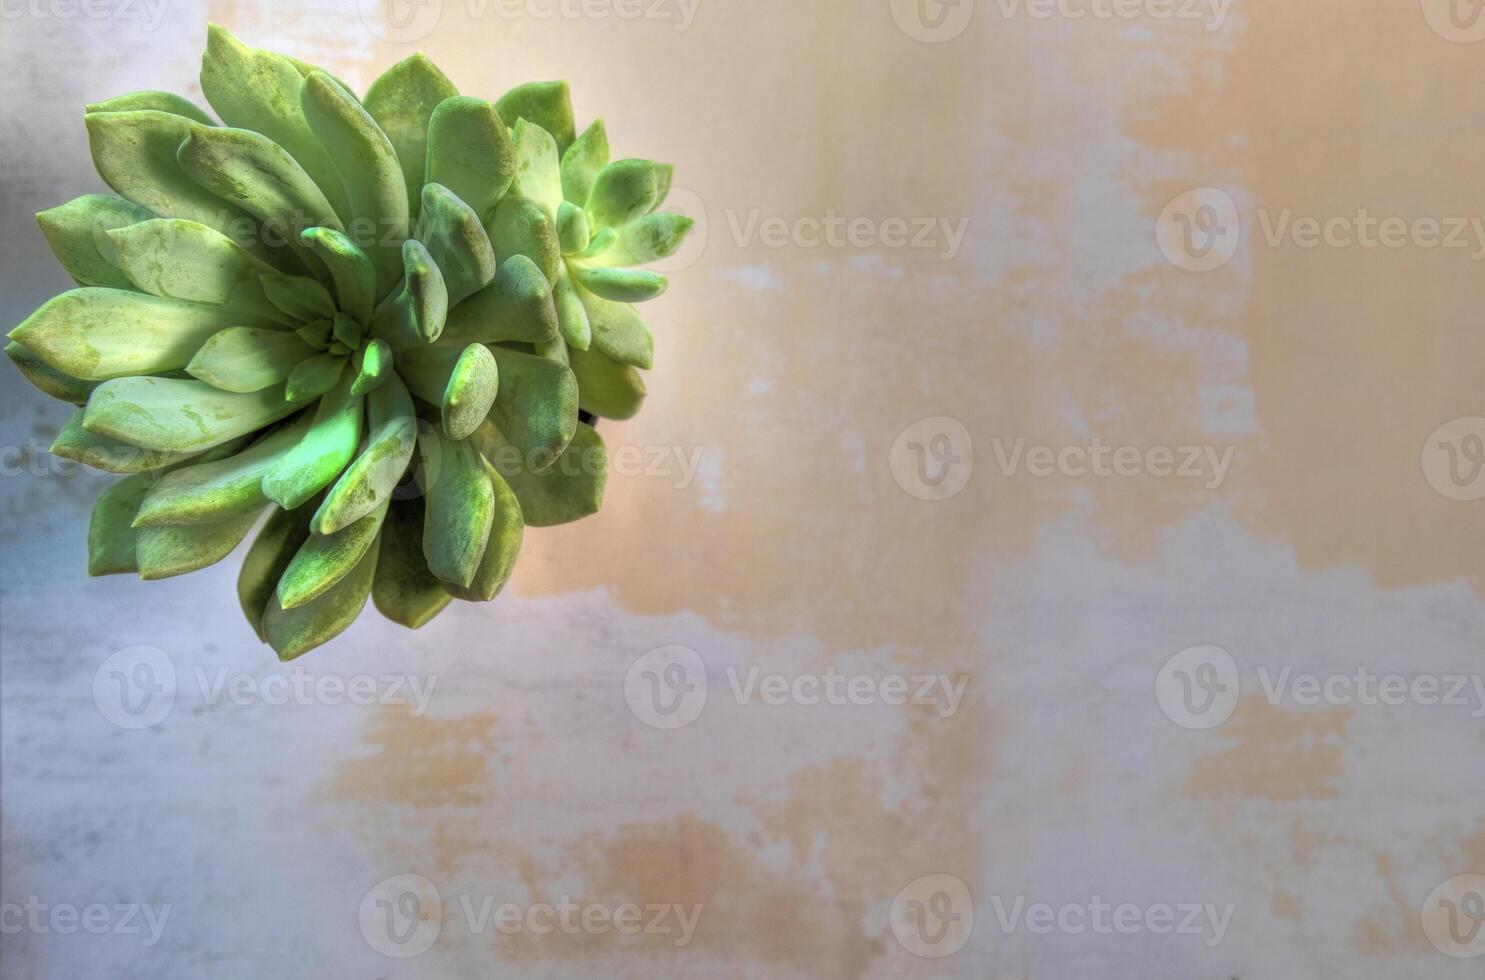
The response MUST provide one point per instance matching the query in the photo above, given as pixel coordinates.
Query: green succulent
(385, 322)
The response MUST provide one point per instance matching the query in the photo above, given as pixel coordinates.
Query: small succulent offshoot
(375, 320)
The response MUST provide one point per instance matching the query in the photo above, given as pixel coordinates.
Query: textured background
(792, 368)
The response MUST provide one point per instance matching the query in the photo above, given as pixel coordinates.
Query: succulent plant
(385, 322)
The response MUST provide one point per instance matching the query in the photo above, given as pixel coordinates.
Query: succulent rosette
(384, 323)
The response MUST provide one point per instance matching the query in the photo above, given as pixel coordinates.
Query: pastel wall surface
(946, 251)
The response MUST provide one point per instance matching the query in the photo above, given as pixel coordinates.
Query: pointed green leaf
(98, 334)
(368, 167)
(135, 153)
(313, 377)
(260, 177)
(323, 453)
(405, 591)
(571, 489)
(111, 535)
(655, 236)
(417, 314)
(248, 359)
(325, 559)
(502, 547)
(618, 332)
(159, 101)
(180, 259)
(402, 101)
(572, 229)
(282, 535)
(299, 297)
(369, 481)
(211, 492)
(470, 153)
(608, 389)
(456, 240)
(462, 383)
(47, 378)
(100, 452)
(620, 285)
(77, 234)
(520, 227)
(317, 334)
(461, 510)
(582, 162)
(664, 172)
(516, 306)
(622, 191)
(168, 550)
(294, 632)
(548, 104)
(259, 90)
(347, 331)
(373, 365)
(537, 406)
(572, 317)
(178, 415)
(538, 167)
(350, 269)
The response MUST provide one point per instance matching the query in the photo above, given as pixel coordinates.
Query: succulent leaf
(456, 241)
(272, 551)
(620, 285)
(324, 559)
(371, 479)
(402, 101)
(160, 101)
(547, 104)
(517, 306)
(179, 415)
(98, 334)
(582, 161)
(569, 490)
(350, 270)
(47, 378)
(169, 550)
(312, 464)
(608, 389)
(77, 234)
(470, 153)
(502, 547)
(461, 510)
(110, 455)
(622, 191)
(405, 591)
(521, 227)
(363, 156)
(573, 320)
(538, 167)
(537, 406)
(294, 632)
(179, 259)
(618, 332)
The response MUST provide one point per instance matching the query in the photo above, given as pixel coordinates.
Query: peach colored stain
(1274, 753)
(417, 761)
